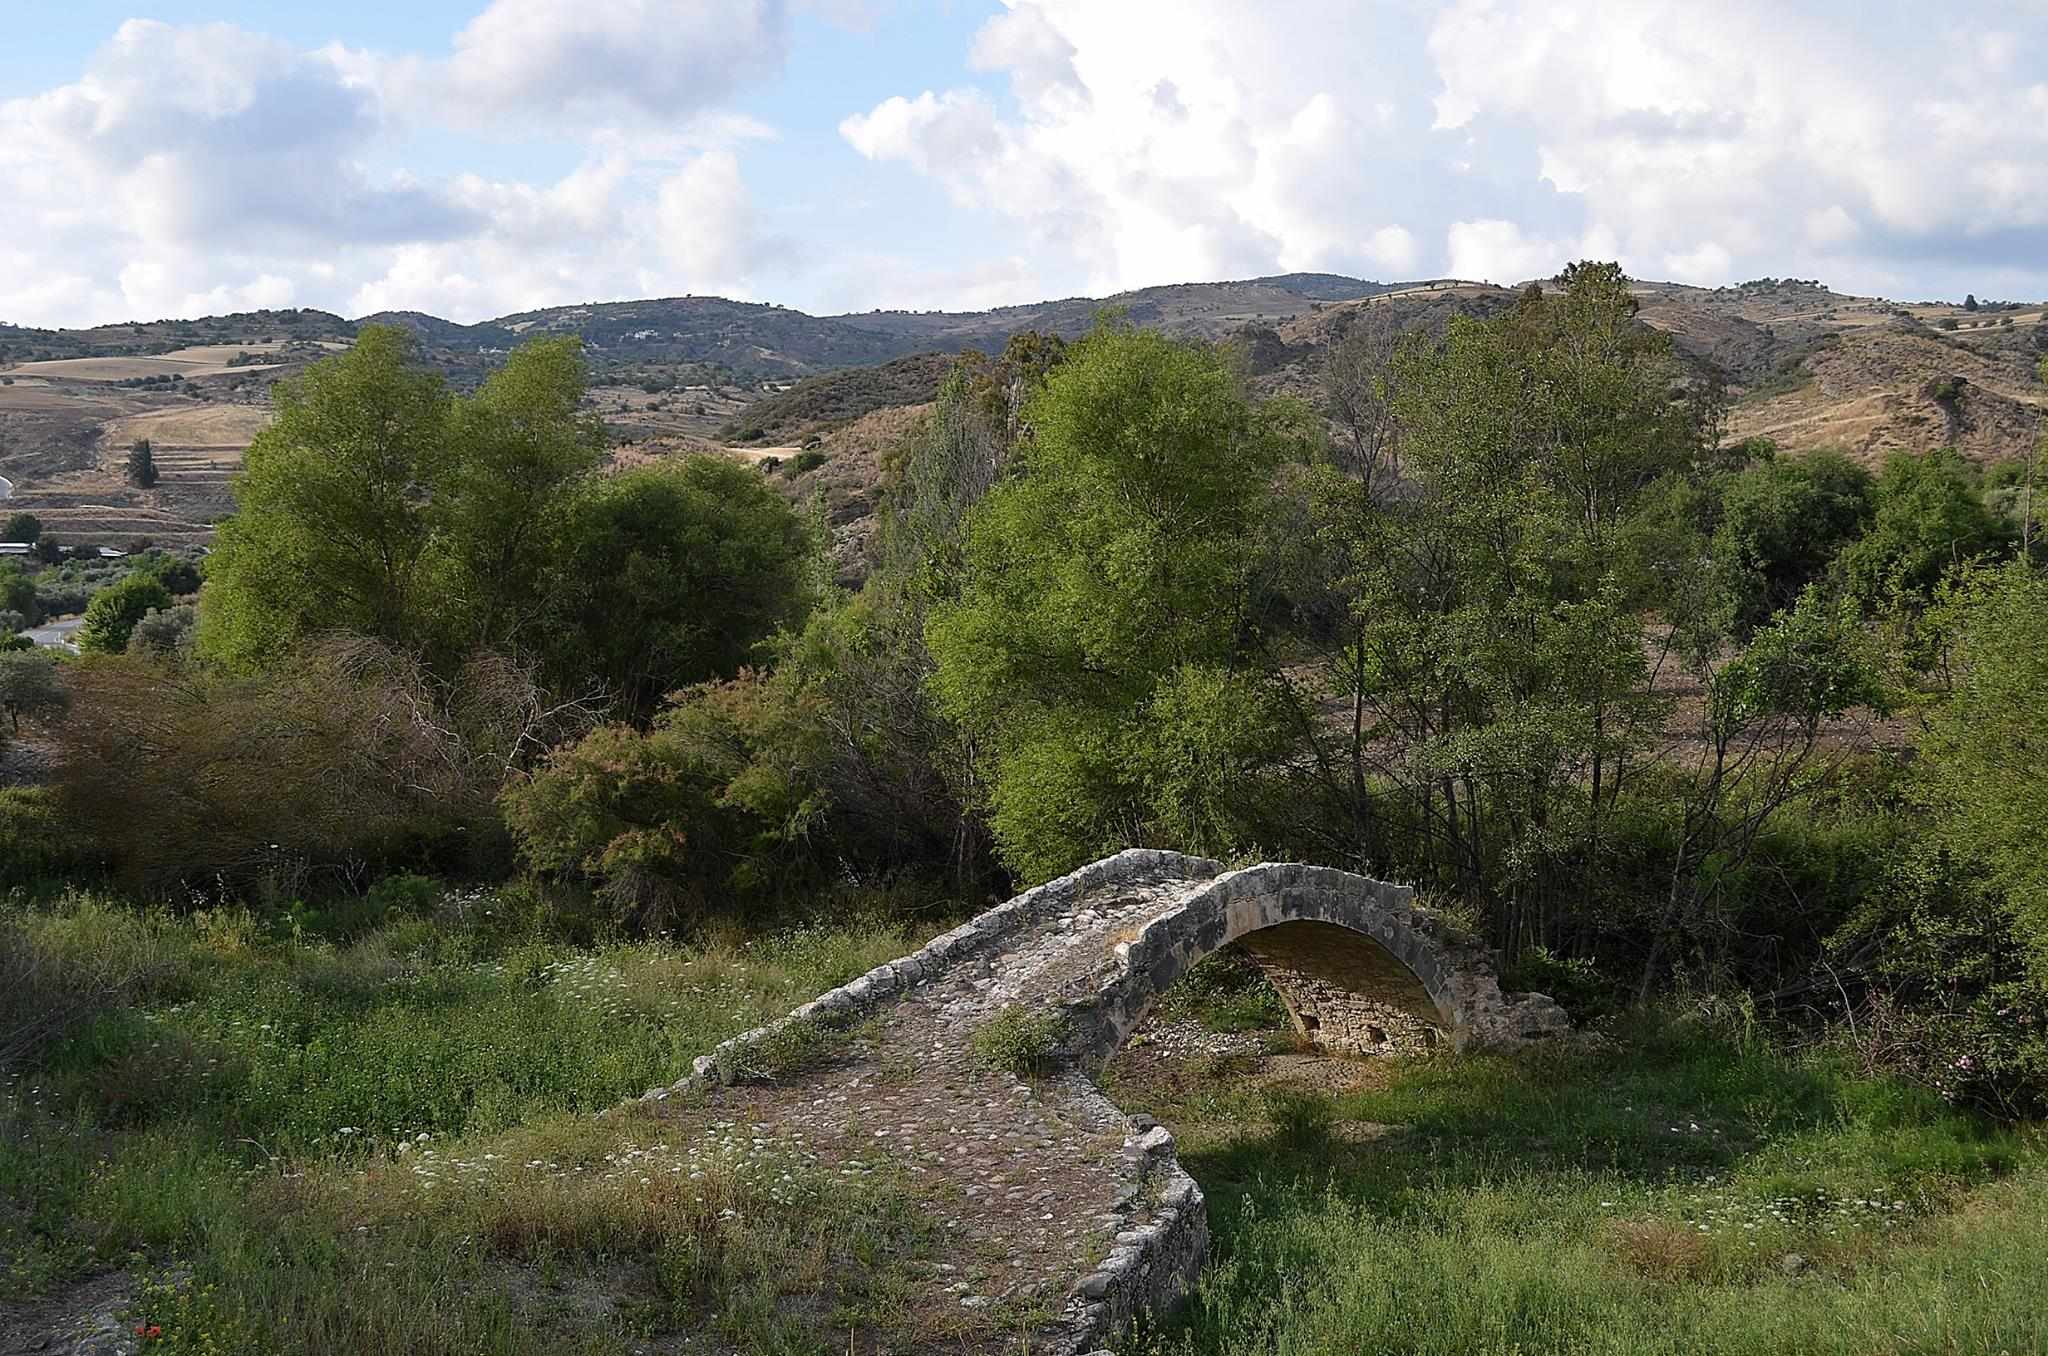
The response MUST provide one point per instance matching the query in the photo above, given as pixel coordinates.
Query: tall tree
(673, 574)
(1482, 625)
(331, 529)
(500, 498)
(1103, 594)
(142, 463)
(111, 616)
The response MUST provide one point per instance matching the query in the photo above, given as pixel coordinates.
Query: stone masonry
(1093, 1207)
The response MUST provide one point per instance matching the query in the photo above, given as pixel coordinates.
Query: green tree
(673, 574)
(1757, 750)
(514, 451)
(1987, 775)
(142, 463)
(331, 529)
(1781, 525)
(1110, 570)
(111, 616)
(1930, 519)
(1480, 620)
(24, 527)
(29, 687)
(17, 591)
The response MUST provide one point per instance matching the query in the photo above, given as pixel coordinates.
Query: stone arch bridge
(1079, 1209)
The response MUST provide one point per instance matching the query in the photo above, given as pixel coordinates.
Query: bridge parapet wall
(978, 936)
(1454, 974)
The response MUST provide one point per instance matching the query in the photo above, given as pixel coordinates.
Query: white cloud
(192, 165)
(535, 59)
(1831, 225)
(1757, 137)
(1497, 251)
(1393, 248)
(704, 219)
(1026, 44)
(1150, 141)
(955, 136)
(1708, 265)
(201, 169)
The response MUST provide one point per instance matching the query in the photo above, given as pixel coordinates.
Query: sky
(473, 158)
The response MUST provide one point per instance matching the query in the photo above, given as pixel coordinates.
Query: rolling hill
(1803, 365)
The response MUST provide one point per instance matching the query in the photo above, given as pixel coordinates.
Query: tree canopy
(1105, 587)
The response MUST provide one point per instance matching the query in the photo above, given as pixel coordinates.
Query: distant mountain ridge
(1803, 365)
(752, 340)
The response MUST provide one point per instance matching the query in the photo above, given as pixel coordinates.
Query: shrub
(1020, 1041)
(164, 633)
(111, 617)
(61, 969)
(1227, 992)
(1301, 1117)
(36, 841)
(346, 759)
(29, 686)
(1951, 1002)
(1574, 981)
(793, 1048)
(178, 575)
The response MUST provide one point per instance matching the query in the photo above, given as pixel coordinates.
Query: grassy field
(1686, 1190)
(322, 1134)
(385, 1144)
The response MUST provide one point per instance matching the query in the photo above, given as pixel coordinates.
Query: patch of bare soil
(849, 482)
(1879, 390)
(87, 1318)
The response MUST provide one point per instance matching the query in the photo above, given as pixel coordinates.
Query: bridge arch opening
(1344, 992)
(1357, 964)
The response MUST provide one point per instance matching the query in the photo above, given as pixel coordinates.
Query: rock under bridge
(1073, 1206)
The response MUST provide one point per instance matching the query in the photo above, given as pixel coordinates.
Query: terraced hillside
(1803, 365)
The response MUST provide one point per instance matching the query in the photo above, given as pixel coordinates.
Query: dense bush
(1988, 787)
(1781, 525)
(30, 688)
(672, 574)
(37, 841)
(348, 758)
(165, 633)
(1930, 518)
(111, 616)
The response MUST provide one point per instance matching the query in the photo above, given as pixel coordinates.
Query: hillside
(1207, 310)
(143, 338)
(1804, 365)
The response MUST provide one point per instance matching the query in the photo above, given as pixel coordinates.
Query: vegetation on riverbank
(376, 1136)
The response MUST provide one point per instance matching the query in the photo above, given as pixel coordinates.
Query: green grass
(1679, 1194)
(387, 1145)
(1225, 992)
(1019, 1041)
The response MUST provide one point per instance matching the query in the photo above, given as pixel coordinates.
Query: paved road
(58, 635)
